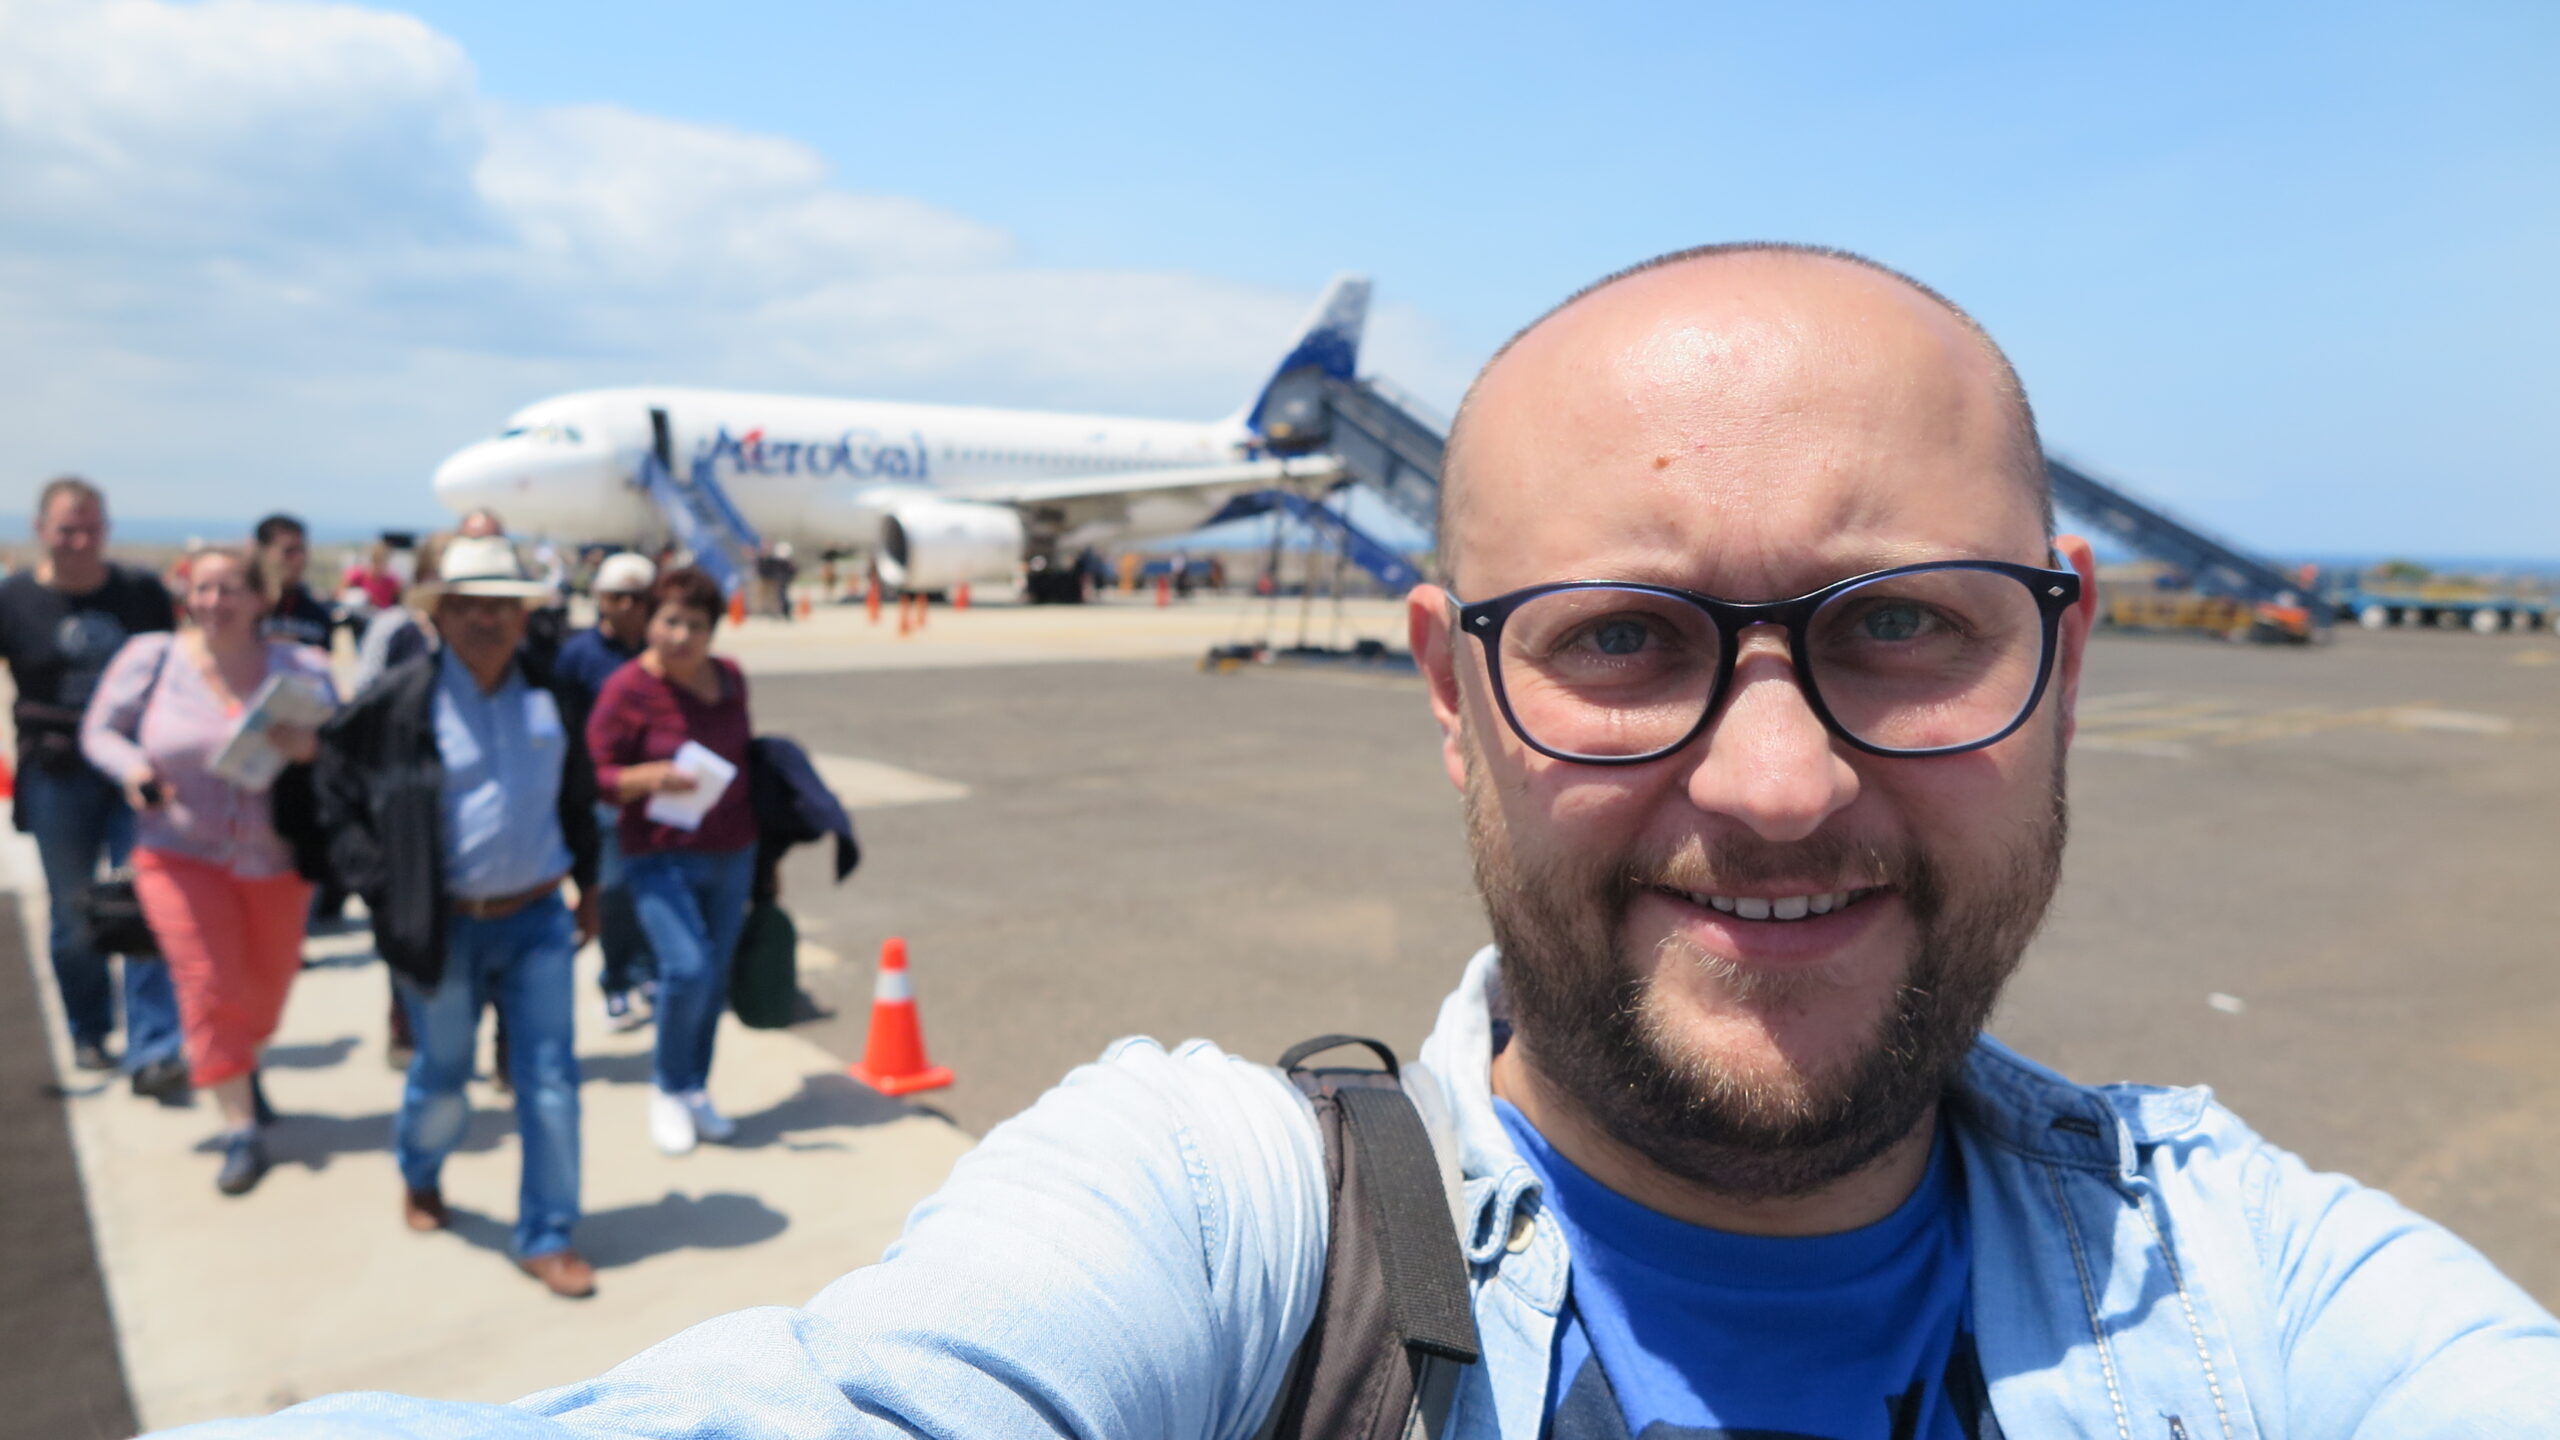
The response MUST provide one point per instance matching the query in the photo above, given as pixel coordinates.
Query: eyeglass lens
(1914, 661)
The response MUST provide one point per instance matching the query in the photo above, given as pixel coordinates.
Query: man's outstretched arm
(2393, 1326)
(1137, 1255)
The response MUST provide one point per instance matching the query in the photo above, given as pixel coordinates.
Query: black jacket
(380, 801)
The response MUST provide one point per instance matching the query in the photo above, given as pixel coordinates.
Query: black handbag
(111, 918)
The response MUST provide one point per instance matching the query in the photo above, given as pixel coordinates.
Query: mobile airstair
(700, 514)
(2269, 600)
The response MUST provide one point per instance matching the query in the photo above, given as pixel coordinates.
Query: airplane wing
(1075, 501)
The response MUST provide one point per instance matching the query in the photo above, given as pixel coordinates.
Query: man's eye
(1619, 637)
(1894, 623)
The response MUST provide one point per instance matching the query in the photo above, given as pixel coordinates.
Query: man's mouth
(1802, 905)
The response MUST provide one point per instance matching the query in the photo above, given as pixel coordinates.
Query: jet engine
(936, 544)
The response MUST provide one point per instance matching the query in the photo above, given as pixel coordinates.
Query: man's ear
(1430, 628)
(2074, 633)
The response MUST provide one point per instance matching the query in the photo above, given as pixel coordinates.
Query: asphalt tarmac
(2324, 881)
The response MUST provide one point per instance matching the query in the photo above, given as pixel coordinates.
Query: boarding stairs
(2210, 565)
(703, 519)
(1391, 570)
(1388, 443)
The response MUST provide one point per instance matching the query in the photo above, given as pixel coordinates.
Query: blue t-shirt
(589, 658)
(1677, 1332)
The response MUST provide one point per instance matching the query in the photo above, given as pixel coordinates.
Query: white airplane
(936, 495)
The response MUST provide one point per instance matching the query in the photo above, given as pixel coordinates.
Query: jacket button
(1524, 1228)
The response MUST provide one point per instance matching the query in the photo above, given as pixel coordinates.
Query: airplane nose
(469, 478)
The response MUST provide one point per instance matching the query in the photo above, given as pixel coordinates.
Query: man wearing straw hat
(458, 797)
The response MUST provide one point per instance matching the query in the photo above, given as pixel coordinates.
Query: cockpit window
(547, 434)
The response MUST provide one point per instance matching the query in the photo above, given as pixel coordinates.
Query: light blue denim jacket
(1138, 1254)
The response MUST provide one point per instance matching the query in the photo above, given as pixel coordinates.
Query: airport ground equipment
(1392, 570)
(2211, 566)
(2134, 607)
(2481, 609)
(703, 519)
(1390, 442)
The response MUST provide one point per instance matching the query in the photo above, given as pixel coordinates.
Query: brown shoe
(563, 1273)
(424, 1210)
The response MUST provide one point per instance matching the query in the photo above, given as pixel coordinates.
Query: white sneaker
(710, 1124)
(671, 1123)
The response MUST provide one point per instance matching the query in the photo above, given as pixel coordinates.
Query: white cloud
(257, 253)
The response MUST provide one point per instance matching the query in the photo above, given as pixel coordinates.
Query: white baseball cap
(624, 573)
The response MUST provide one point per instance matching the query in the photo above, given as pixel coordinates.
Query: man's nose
(1767, 760)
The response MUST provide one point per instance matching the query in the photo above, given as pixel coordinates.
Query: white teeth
(1789, 907)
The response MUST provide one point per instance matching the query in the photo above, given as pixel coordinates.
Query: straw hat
(482, 565)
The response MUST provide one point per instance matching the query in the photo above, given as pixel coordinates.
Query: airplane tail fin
(1327, 347)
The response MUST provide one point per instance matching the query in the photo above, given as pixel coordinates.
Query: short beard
(1589, 1028)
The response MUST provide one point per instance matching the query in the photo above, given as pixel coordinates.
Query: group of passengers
(495, 800)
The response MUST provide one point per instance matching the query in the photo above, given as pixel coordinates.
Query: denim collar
(2004, 1099)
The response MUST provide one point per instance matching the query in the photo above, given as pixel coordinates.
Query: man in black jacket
(457, 796)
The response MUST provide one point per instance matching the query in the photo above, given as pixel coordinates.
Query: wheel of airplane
(2374, 617)
(2485, 621)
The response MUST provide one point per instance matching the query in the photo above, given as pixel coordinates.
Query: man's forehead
(1779, 416)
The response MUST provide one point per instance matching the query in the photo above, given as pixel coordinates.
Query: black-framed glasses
(1931, 659)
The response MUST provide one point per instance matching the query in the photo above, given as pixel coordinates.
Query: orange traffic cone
(893, 1060)
(871, 598)
(1164, 591)
(960, 596)
(804, 607)
(8, 780)
(738, 608)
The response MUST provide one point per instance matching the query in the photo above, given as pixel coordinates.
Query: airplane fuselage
(817, 472)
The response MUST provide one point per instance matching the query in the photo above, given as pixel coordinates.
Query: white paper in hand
(684, 809)
(248, 758)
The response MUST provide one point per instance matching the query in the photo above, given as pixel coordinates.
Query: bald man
(1754, 663)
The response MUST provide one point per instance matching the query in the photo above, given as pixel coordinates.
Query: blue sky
(2285, 269)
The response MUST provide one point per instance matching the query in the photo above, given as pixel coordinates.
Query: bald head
(1731, 362)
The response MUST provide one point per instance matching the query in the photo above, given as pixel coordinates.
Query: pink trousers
(232, 945)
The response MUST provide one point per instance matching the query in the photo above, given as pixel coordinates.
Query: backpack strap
(1395, 1320)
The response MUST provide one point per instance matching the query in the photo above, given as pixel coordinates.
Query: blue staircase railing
(704, 520)
(1391, 569)
(2211, 565)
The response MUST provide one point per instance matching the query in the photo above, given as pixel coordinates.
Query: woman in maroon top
(688, 870)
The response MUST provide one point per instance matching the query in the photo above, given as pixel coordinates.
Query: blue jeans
(525, 963)
(77, 816)
(692, 905)
(626, 950)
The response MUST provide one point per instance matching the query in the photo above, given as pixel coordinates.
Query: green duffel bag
(764, 982)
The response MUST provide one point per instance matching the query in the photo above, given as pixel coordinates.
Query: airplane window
(511, 432)
(574, 437)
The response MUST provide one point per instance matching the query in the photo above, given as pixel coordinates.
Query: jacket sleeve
(2392, 1326)
(350, 746)
(111, 731)
(610, 731)
(578, 794)
(1139, 1254)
